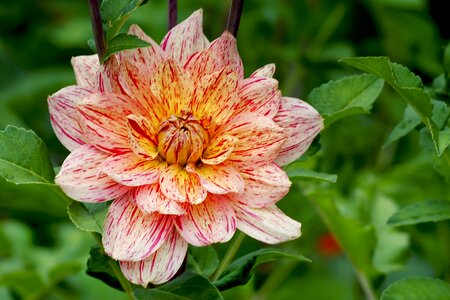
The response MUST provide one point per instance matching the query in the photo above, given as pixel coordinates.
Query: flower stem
(97, 27)
(229, 255)
(234, 16)
(173, 13)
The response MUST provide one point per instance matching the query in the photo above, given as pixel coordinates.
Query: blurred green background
(305, 38)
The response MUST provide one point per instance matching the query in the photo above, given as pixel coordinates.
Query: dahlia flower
(188, 149)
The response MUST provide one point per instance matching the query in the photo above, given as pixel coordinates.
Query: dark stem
(97, 27)
(173, 13)
(234, 16)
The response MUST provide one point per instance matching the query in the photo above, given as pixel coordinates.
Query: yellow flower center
(181, 140)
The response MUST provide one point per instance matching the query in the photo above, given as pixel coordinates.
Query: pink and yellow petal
(86, 68)
(143, 139)
(226, 49)
(265, 71)
(218, 179)
(203, 63)
(219, 149)
(150, 199)
(81, 178)
(130, 234)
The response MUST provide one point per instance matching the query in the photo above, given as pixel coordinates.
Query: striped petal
(259, 95)
(81, 178)
(185, 39)
(226, 48)
(129, 234)
(219, 149)
(160, 266)
(131, 170)
(268, 225)
(264, 186)
(150, 199)
(142, 134)
(212, 221)
(266, 71)
(64, 116)
(218, 179)
(179, 185)
(108, 76)
(86, 68)
(302, 122)
(203, 63)
(104, 121)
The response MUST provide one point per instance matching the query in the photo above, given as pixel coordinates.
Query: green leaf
(24, 158)
(115, 13)
(123, 42)
(88, 216)
(417, 288)
(345, 97)
(241, 270)
(99, 266)
(296, 174)
(405, 83)
(203, 260)
(155, 294)
(444, 138)
(426, 211)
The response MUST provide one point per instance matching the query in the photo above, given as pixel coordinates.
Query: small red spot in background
(328, 246)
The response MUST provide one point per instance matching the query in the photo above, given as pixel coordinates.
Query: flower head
(188, 148)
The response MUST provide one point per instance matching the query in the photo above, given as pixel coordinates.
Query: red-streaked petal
(64, 116)
(160, 266)
(179, 185)
(268, 225)
(259, 138)
(218, 179)
(173, 87)
(185, 39)
(143, 139)
(150, 199)
(259, 95)
(131, 170)
(86, 68)
(215, 99)
(108, 76)
(226, 49)
(263, 186)
(203, 63)
(302, 122)
(219, 149)
(104, 121)
(81, 178)
(130, 234)
(265, 71)
(212, 221)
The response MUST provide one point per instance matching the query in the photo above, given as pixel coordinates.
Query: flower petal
(64, 116)
(179, 185)
(131, 170)
(172, 86)
(81, 178)
(130, 234)
(302, 123)
(269, 224)
(86, 68)
(108, 76)
(218, 179)
(259, 138)
(104, 121)
(219, 149)
(150, 199)
(264, 186)
(182, 41)
(160, 266)
(203, 63)
(259, 95)
(212, 221)
(265, 71)
(226, 49)
(142, 136)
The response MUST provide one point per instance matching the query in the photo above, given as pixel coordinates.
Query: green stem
(229, 255)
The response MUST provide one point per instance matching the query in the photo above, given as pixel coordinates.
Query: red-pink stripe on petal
(160, 266)
(86, 68)
(185, 39)
(64, 116)
(130, 234)
(259, 95)
(268, 225)
(108, 76)
(81, 178)
(131, 170)
(226, 48)
(143, 137)
(203, 63)
(302, 122)
(264, 186)
(179, 185)
(218, 179)
(265, 71)
(219, 149)
(150, 199)
(212, 221)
